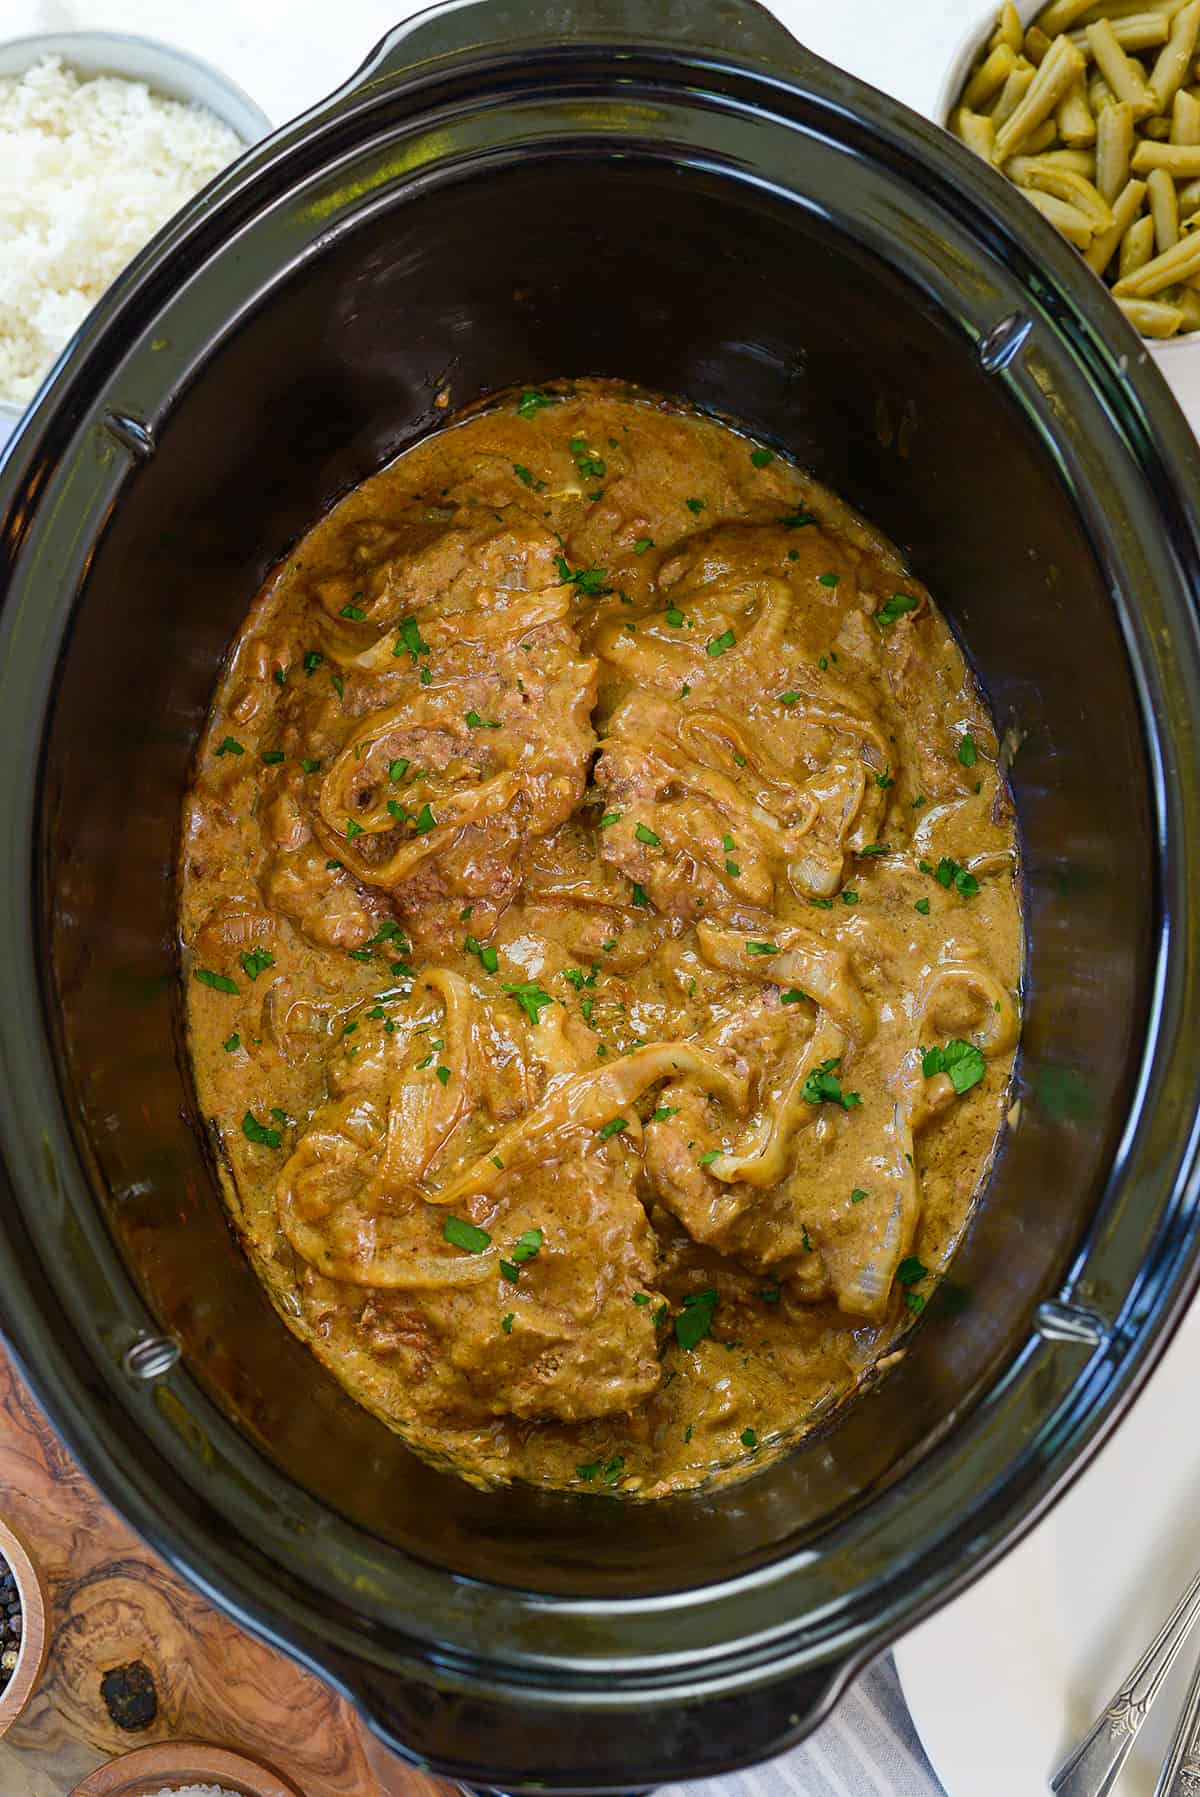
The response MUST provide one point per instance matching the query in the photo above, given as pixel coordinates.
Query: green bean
(989, 77)
(1036, 45)
(1073, 116)
(1066, 219)
(1063, 66)
(1180, 160)
(1008, 28)
(1125, 209)
(1060, 15)
(976, 130)
(1074, 190)
(1137, 246)
(1011, 94)
(1123, 75)
(1140, 31)
(1170, 71)
(1114, 146)
(1164, 208)
(1185, 119)
(1179, 263)
(1152, 318)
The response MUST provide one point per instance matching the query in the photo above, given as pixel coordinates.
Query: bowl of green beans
(1092, 109)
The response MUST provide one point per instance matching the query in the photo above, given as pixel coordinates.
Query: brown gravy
(598, 894)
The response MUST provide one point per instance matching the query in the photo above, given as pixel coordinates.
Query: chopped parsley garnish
(611, 817)
(410, 641)
(353, 611)
(848, 897)
(684, 690)
(232, 1042)
(962, 1061)
(530, 997)
(527, 1246)
(770, 1294)
(761, 458)
(797, 520)
(748, 1438)
(254, 1131)
(312, 661)
(613, 1127)
(639, 897)
(910, 1271)
(717, 645)
(895, 608)
(822, 904)
(339, 686)
(793, 996)
(828, 580)
(884, 780)
(876, 848)
(641, 1297)
(732, 869)
(532, 401)
(967, 752)
(398, 769)
(271, 756)
(612, 1469)
(762, 948)
(231, 746)
(506, 1323)
(475, 722)
(663, 1112)
(220, 982)
(388, 931)
(857, 1195)
(922, 905)
(279, 676)
(823, 663)
(696, 1318)
(576, 977)
(443, 1073)
(398, 811)
(425, 821)
(310, 766)
(645, 834)
(709, 1156)
(788, 698)
(915, 1301)
(526, 478)
(585, 580)
(333, 867)
(352, 829)
(674, 615)
(589, 1471)
(949, 873)
(488, 958)
(822, 1086)
(642, 544)
(694, 505)
(461, 1234)
(256, 961)
(591, 466)
(497, 1163)
(359, 954)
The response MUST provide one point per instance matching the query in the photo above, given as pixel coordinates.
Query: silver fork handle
(1091, 1769)
(1180, 1776)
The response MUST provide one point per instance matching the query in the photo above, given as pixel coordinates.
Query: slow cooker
(676, 194)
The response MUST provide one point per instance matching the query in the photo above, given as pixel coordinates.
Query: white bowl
(172, 73)
(1178, 358)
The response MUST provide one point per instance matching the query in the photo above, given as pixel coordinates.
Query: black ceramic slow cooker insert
(676, 194)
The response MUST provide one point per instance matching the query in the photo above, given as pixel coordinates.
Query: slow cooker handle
(742, 28)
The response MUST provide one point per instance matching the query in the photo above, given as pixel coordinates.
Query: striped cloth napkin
(868, 1748)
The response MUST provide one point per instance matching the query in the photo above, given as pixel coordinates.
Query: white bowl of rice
(103, 137)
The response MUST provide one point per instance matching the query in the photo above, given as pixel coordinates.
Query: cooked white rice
(194, 1791)
(89, 170)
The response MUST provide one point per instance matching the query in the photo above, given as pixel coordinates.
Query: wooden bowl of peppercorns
(23, 1633)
